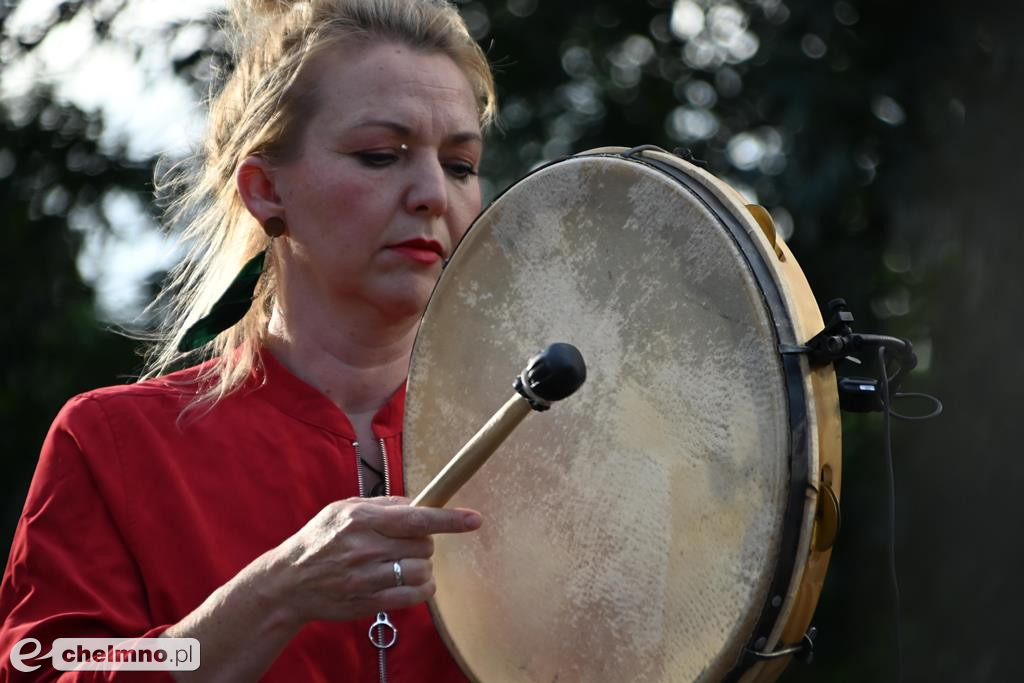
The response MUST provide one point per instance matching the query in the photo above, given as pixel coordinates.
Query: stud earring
(275, 227)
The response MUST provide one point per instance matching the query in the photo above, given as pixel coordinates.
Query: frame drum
(673, 520)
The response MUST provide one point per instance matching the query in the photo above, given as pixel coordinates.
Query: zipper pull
(378, 633)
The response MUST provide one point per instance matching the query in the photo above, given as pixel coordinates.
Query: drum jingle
(673, 521)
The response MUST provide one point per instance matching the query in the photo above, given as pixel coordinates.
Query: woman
(223, 502)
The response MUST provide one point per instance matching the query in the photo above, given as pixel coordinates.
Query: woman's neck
(358, 364)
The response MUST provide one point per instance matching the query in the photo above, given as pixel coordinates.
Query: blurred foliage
(884, 137)
(54, 346)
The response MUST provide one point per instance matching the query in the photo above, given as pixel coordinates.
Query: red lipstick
(420, 250)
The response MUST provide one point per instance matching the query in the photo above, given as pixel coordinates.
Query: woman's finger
(400, 597)
(371, 547)
(386, 500)
(402, 521)
(410, 572)
(373, 578)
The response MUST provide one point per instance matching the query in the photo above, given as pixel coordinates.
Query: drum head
(631, 532)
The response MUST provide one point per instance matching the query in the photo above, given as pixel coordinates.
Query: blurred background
(885, 137)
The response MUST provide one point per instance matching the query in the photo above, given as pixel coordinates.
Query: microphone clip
(838, 342)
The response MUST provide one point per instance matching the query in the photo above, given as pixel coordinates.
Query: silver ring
(397, 568)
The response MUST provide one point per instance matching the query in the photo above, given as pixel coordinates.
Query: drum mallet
(553, 374)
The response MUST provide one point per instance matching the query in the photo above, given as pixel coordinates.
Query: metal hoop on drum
(675, 521)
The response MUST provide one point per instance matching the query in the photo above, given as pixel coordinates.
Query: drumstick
(553, 374)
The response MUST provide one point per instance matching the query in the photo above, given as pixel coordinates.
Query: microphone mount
(838, 342)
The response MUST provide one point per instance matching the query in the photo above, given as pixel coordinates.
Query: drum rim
(796, 398)
(793, 372)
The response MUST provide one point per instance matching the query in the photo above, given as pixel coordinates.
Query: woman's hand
(340, 565)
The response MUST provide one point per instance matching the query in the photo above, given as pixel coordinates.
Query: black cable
(378, 488)
(893, 383)
(370, 467)
(936, 411)
(894, 579)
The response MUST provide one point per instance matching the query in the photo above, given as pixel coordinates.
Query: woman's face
(384, 183)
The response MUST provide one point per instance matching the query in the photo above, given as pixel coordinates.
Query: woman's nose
(428, 190)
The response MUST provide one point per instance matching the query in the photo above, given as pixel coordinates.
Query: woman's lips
(422, 251)
(424, 256)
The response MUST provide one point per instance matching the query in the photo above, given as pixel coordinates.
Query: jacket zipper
(378, 636)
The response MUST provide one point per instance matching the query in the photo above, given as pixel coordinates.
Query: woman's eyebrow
(384, 123)
(468, 136)
(405, 131)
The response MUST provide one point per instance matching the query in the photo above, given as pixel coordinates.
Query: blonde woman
(234, 502)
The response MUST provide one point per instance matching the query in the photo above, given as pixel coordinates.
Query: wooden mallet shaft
(550, 376)
(474, 454)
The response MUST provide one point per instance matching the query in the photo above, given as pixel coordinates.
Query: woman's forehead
(390, 81)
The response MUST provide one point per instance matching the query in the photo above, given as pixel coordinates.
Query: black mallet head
(553, 374)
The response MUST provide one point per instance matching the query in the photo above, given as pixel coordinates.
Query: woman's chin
(402, 303)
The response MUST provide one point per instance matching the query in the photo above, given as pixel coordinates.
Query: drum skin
(641, 530)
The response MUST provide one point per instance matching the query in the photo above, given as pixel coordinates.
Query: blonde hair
(257, 112)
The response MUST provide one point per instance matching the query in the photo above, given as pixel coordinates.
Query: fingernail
(472, 520)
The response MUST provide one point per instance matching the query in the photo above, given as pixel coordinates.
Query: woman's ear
(254, 179)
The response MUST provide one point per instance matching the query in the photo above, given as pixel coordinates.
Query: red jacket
(135, 516)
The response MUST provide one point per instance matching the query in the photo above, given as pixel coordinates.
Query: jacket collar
(292, 396)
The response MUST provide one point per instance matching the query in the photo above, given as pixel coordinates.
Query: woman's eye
(376, 159)
(461, 170)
